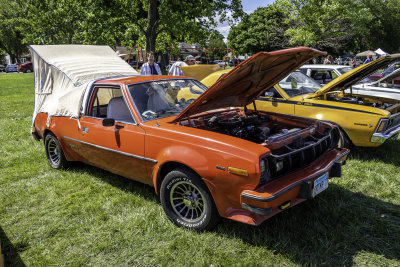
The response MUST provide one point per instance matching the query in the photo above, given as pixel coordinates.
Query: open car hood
(354, 76)
(387, 78)
(250, 79)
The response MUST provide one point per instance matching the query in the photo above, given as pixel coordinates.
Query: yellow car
(364, 120)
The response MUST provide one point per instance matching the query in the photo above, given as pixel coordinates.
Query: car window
(321, 76)
(344, 70)
(164, 98)
(297, 83)
(108, 102)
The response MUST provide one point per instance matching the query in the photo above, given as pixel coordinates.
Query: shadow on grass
(387, 152)
(10, 253)
(329, 230)
(125, 184)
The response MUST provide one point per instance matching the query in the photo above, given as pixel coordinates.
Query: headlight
(265, 172)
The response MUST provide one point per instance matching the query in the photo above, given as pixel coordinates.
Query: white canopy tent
(63, 72)
(380, 52)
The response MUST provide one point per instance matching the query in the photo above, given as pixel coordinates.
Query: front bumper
(291, 189)
(382, 137)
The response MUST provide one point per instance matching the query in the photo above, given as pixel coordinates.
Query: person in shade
(150, 67)
(176, 71)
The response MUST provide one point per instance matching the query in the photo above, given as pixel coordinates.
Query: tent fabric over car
(63, 72)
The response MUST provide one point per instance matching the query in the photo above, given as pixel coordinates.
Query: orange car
(207, 158)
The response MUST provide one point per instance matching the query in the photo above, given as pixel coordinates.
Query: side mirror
(108, 122)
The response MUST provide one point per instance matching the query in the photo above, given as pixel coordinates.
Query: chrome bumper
(382, 137)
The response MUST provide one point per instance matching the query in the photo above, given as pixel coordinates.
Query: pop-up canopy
(63, 72)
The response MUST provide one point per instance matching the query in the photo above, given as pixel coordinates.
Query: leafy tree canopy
(263, 30)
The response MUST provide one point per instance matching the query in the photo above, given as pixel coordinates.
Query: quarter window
(108, 102)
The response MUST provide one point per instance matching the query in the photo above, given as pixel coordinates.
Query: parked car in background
(26, 67)
(384, 88)
(134, 64)
(11, 68)
(206, 158)
(323, 73)
(387, 71)
(2, 68)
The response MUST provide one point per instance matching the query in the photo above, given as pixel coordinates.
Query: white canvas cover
(63, 72)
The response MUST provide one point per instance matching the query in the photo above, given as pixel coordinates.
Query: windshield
(297, 83)
(164, 98)
(344, 70)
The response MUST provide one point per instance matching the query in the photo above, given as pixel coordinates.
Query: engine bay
(360, 100)
(258, 127)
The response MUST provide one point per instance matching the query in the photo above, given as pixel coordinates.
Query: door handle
(119, 126)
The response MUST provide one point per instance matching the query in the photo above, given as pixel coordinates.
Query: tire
(28, 71)
(346, 143)
(54, 153)
(187, 201)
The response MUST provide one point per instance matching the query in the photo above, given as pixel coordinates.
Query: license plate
(320, 184)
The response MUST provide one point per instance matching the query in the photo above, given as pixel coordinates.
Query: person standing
(150, 67)
(368, 60)
(176, 71)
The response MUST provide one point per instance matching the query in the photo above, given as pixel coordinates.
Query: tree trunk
(152, 25)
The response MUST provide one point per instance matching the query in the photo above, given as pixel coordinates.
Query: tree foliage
(336, 26)
(263, 30)
(127, 22)
(11, 29)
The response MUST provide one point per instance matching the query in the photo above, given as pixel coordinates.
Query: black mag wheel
(187, 201)
(54, 152)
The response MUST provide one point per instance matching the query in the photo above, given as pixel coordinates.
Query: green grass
(86, 216)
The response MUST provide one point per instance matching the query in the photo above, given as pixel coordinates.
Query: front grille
(301, 152)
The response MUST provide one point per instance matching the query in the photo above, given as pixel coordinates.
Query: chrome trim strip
(112, 150)
(382, 137)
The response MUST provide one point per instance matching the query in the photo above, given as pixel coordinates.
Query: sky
(248, 6)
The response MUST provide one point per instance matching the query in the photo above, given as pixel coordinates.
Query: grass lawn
(86, 216)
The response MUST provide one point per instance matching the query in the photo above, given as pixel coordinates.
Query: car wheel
(54, 152)
(28, 71)
(187, 201)
(346, 142)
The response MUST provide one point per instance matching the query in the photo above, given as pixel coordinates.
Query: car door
(275, 100)
(118, 148)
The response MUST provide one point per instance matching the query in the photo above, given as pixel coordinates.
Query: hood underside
(250, 79)
(354, 76)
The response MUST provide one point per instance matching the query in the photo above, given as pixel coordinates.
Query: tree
(11, 35)
(187, 21)
(217, 45)
(263, 30)
(332, 25)
(128, 22)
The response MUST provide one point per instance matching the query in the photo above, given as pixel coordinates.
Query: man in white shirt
(176, 71)
(150, 67)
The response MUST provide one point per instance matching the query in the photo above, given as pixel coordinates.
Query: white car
(384, 87)
(324, 73)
